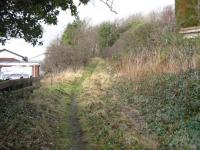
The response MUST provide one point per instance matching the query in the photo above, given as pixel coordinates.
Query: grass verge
(37, 121)
(106, 120)
(161, 112)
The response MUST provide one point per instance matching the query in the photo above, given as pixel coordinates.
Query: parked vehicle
(14, 76)
(12, 73)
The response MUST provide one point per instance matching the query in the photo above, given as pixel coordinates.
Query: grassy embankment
(109, 122)
(40, 120)
(28, 123)
(46, 119)
(159, 112)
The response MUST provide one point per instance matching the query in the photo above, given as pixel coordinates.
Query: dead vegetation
(109, 122)
(156, 113)
(66, 76)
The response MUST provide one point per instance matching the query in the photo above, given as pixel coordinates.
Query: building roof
(24, 64)
(8, 60)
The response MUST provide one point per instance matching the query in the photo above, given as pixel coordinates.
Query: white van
(15, 72)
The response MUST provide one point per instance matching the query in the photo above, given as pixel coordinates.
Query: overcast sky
(95, 12)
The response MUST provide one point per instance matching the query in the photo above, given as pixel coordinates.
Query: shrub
(107, 35)
(77, 45)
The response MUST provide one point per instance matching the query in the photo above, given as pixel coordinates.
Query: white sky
(95, 12)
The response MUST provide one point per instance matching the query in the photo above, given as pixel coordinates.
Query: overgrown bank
(161, 112)
(34, 122)
(45, 119)
(142, 92)
(41, 120)
(100, 109)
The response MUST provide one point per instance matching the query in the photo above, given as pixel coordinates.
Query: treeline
(79, 43)
(136, 46)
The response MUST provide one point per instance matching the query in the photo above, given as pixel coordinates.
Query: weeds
(104, 119)
(170, 106)
(160, 112)
(39, 121)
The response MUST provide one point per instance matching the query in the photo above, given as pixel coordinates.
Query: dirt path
(76, 134)
(78, 141)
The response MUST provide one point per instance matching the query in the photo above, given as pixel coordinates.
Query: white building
(12, 68)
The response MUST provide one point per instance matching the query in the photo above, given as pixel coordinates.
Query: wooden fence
(19, 85)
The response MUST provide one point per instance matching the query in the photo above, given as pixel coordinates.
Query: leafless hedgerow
(61, 55)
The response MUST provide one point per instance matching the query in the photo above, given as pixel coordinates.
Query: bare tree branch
(109, 4)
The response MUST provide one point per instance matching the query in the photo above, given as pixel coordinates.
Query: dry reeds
(63, 77)
(142, 66)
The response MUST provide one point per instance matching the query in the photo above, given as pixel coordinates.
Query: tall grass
(153, 47)
(140, 67)
(66, 76)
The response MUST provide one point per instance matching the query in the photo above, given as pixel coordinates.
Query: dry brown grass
(62, 77)
(107, 120)
(140, 67)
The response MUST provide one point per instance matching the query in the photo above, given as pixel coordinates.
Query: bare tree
(109, 4)
(73, 51)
